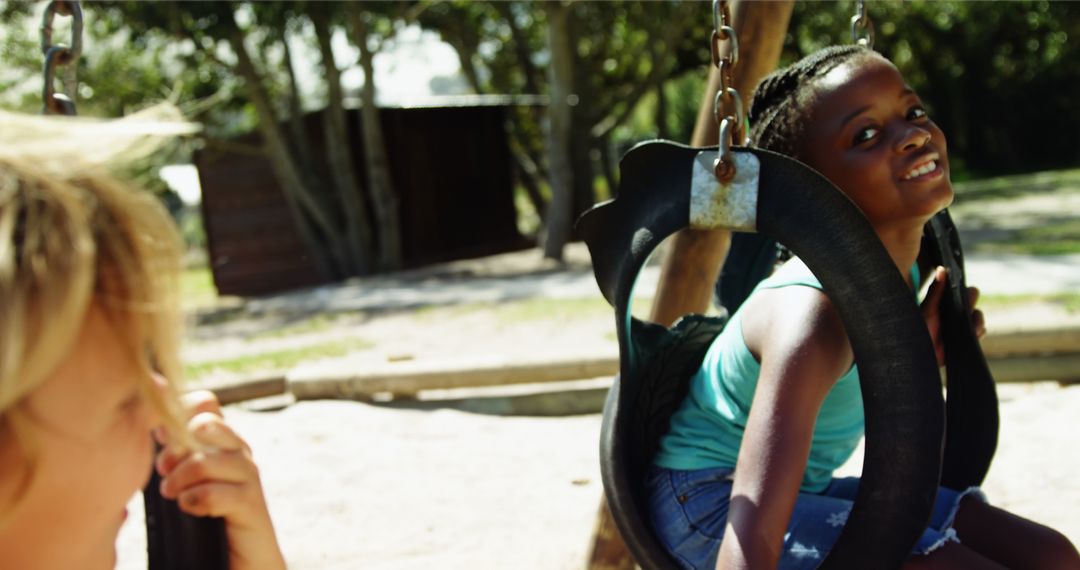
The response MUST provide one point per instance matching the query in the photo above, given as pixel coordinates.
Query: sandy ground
(355, 485)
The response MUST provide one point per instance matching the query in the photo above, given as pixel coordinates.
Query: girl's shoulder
(789, 317)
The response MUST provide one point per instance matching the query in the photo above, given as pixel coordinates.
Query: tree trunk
(532, 189)
(534, 114)
(380, 185)
(560, 137)
(526, 167)
(584, 164)
(608, 551)
(310, 219)
(466, 54)
(661, 112)
(581, 120)
(607, 166)
(339, 153)
(521, 48)
(296, 112)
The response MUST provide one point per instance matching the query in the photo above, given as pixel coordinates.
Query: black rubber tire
(901, 389)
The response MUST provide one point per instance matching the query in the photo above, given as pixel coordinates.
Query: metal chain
(728, 105)
(862, 29)
(61, 55)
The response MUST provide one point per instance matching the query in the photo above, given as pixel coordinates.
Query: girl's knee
(1054, 551)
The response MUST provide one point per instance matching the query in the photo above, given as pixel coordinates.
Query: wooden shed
(451, 167)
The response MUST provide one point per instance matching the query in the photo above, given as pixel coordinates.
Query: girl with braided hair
(741, 486)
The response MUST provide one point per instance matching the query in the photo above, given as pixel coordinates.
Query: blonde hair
(73, 235)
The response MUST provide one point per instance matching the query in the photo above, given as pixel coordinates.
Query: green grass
(551, 309)
(1050, 238)
(278, 360)
(536, 309)
(999, 187)
(197, 288)
(1055, 233)
(317, 323)
(1070, 301)
(1034, 248)
(523, 310)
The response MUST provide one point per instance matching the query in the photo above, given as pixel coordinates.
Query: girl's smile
(927, 169)
(869, 134)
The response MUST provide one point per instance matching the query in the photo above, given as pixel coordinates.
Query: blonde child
(744, 477)
(89, 332)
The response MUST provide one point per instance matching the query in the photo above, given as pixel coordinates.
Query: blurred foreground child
(89, 331)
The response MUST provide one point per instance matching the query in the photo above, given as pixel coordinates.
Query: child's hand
(932, 313)
(220, 480)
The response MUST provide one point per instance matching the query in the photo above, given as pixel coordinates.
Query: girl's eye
(865, 134)
(131, 406)
(916, 112)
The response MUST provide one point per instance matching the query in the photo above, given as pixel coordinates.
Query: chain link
(61, 56)
(862, 29)
(728, 105)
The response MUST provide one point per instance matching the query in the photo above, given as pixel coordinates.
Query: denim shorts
(689, 512)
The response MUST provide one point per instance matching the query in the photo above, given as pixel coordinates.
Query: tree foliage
(1000, 77)
(622, 52)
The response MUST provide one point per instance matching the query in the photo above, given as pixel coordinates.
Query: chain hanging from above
(862, 29)
(61, 56)
(728, 105)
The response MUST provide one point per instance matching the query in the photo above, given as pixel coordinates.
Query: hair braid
(778, 108)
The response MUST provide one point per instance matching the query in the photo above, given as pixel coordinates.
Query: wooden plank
(1014, 356)
(1063, 340)
(412, 377)
(231, 393)
(408, 379)
(1064, 368)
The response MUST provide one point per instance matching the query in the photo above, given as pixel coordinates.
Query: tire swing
(666, 187)
(174, 540)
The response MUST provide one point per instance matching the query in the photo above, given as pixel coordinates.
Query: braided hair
(779, 107)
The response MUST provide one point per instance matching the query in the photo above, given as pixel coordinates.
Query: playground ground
(405, 485)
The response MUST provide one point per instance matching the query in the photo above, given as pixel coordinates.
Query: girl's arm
(797, 336)
(221, 480)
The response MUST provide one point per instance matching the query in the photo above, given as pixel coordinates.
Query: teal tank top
(708, 427)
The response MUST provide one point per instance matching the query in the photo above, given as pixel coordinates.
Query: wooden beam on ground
(248, 389)
(1064, 368)
(693, 258)
(1030, 342)
(407, 379)
(1024, 355)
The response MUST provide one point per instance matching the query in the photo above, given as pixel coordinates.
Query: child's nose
(153, 415)
(914, 137)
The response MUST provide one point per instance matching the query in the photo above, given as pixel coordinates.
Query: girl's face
(869, 134)
(94, 451)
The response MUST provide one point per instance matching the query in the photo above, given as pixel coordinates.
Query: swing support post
(694, 257)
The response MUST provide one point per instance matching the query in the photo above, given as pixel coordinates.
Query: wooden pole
(693, 258)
